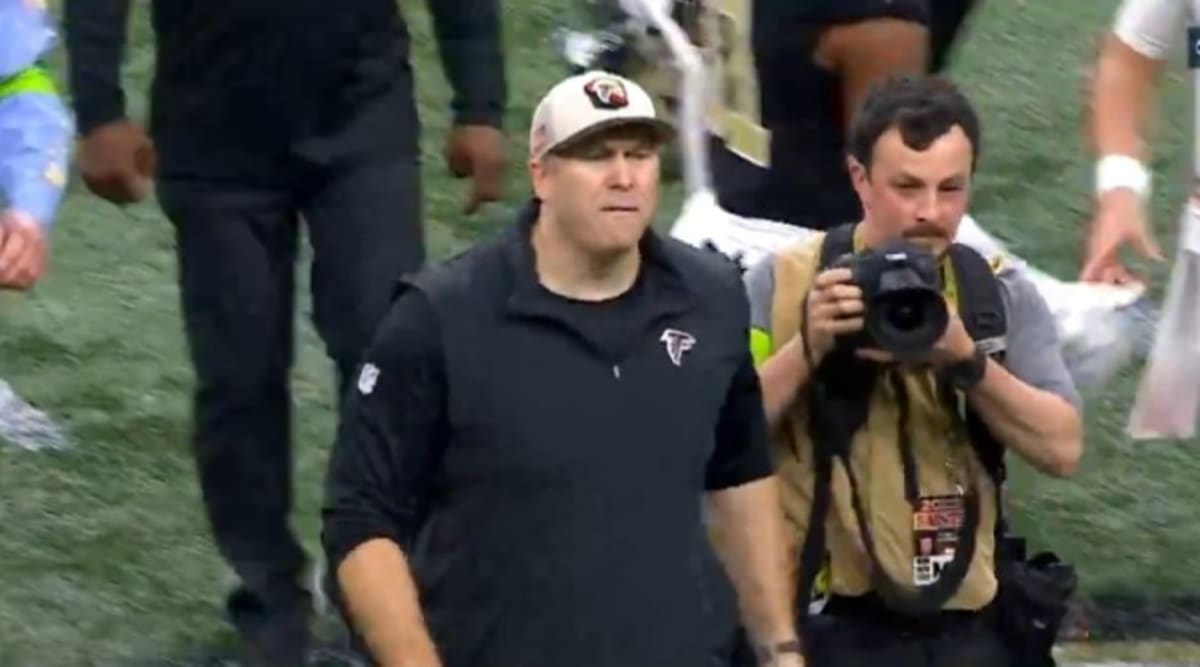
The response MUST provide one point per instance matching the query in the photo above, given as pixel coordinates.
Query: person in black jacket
(519, 474)
(793, 67)
(264, 113)
(792, 76)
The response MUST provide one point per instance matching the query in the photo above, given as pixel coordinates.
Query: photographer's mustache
(925, 231)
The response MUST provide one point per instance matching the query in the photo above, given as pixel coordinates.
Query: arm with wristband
(1130, 64)
(35, 144)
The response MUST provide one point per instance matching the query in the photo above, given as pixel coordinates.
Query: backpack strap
(983, 313)
(981, 308)
(981, 301)
(838, 241)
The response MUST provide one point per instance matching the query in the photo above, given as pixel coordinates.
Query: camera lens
(905, 312)
(907, 322)
(905, 315)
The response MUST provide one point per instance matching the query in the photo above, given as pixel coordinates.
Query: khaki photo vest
(945, 462)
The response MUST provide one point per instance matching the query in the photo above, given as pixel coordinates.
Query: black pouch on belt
(1032, 602)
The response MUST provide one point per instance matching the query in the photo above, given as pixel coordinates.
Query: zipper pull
(616, 371)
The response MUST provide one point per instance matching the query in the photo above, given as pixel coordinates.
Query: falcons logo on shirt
(677, 342)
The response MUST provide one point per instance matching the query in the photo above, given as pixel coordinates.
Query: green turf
(104, 555)
(1126, 518)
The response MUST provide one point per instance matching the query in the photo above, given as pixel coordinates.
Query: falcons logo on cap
(606, 93)
(677, 342)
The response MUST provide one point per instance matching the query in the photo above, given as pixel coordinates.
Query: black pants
(237, 249)
(857, 633)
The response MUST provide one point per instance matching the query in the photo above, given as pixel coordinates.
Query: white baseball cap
(583, 104)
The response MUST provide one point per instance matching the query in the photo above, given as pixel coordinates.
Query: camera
(904, 311)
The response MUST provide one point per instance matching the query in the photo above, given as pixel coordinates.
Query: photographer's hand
(954, 346)
(23, 250)
(834, 308)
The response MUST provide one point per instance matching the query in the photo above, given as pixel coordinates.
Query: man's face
(918, 195)
(602, 192)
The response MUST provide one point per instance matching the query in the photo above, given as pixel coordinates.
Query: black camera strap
(846, 413)
(910, 601)
(838, 242)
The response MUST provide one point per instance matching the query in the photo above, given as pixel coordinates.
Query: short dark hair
(921, 107)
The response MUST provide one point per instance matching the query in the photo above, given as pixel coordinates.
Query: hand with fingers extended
(833, 307)
(1120, 220)
(22, 250)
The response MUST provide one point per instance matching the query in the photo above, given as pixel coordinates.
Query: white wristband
(1122, 171)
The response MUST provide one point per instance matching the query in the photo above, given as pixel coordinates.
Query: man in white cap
(518, 477)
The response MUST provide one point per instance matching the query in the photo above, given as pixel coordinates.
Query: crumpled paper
(26, 427)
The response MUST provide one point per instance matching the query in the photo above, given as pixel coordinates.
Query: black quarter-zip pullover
(543, 461)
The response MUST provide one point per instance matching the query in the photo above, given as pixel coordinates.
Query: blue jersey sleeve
(26, 34)
(35, 145)
(36, 129)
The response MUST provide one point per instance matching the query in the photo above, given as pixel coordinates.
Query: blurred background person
(791, 76)
(263, 114)
(817, 35)
(35, 143)
(1129, 65)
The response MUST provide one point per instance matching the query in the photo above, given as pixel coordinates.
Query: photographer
(265, 116)
(792, 74)
(897, 367)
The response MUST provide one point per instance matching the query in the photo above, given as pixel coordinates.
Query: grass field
(104, 555)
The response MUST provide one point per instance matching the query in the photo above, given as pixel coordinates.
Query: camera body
(904, 310)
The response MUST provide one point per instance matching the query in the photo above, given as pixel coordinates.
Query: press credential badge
(936, 523)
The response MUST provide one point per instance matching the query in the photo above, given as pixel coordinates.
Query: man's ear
(539, 171)
(860, 177)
